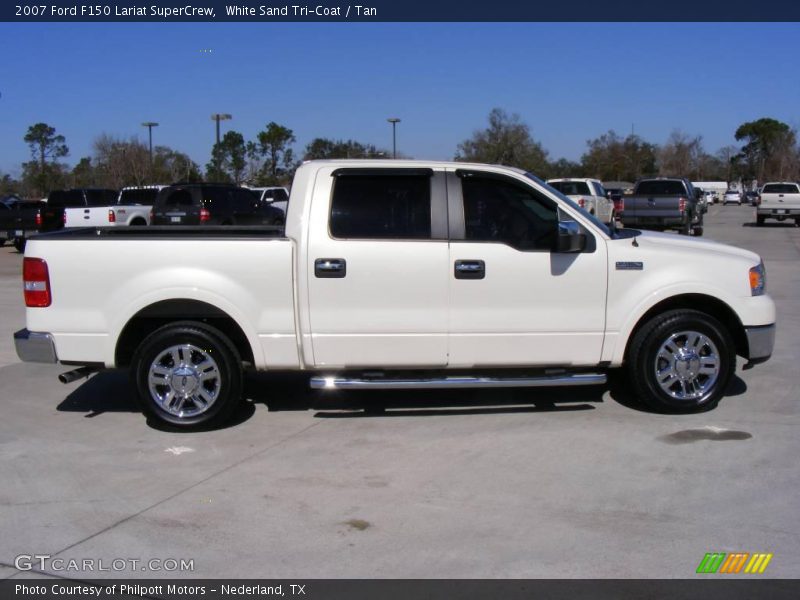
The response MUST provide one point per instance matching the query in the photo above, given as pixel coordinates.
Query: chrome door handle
(470, 269)
(329, 268)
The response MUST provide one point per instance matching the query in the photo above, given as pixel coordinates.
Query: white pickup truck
(398, 275)
(132, 207)
(779, 200)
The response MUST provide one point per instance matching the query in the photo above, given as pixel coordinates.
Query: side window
(501, 211)
(381, 207)
(280, 194)
(600, 190)
(245, 200)
(95, 198)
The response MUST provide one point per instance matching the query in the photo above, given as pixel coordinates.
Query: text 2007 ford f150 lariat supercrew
(398, 274)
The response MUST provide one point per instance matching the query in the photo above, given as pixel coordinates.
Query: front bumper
(760, 342)
(33, 346)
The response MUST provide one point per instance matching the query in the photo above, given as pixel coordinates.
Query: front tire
(19, 244)
(188, 374)
(681, 361)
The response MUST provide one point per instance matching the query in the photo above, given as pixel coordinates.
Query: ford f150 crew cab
(779, 200)
(394, 275)
(664, 203)
(131, 206)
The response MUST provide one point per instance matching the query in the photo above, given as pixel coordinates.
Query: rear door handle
(330, 268)
(470, 269)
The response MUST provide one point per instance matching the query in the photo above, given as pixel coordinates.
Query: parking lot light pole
(150, 125)
(394, 121)
(220, 117)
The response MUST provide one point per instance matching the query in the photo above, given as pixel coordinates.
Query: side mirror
(570, 238)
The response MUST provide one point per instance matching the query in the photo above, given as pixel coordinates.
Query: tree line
(769, 151)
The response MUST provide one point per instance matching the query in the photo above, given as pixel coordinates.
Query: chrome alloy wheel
(184, 380)
(687, 365)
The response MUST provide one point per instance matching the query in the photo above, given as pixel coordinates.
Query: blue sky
(570, 82)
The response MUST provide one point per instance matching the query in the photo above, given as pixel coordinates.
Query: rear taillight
(36, 282)
(151, 215)
(205, 215)
(758, 200)
(620, 205)
(682, 204)
(64, 217)
(38, 219)
(581, 202)
(112, 218)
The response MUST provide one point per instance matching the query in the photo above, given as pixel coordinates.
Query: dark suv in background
(58, 200)
(212, 204)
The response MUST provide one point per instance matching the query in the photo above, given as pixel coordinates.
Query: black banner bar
(404, 589)
(372, 11)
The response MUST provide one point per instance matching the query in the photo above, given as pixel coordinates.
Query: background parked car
(616, 195)
(732, 197)
(277, 197)
(752, 198)
(212, 204)
(19, 220)
(589, 194)
(79, 201)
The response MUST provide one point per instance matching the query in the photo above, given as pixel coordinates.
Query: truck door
(377, 268)
(514, 300)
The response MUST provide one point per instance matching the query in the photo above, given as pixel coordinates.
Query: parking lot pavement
(12, 309)
(515, 483)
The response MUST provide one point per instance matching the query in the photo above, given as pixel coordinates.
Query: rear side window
(381, 207)
(661, 188)
(780, 188)
(280, 194)
(174, 197)
(144, 196)
(66, 199)
(218, 199)
(572, 188)
(100, 197)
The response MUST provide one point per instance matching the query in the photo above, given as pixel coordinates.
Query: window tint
(572, 188)
(664, 188)
(245, 200)
(502, 211)
(177, 197)
(780, 188)
(65, 198)
(143, 196)
(382, 207)
(100, 197)
(216, 198)
(280, 194)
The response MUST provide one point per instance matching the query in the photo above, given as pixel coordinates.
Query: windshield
(572, 204)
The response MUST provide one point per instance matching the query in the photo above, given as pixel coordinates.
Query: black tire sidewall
(216, 345)
(648, 341)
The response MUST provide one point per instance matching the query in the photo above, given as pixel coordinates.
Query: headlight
(758, 280)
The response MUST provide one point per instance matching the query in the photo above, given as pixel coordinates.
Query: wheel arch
(709, 305)
(161, 313)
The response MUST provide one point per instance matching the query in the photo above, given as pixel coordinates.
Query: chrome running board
(346, 383)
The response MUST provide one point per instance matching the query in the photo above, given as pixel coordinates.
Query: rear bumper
(33, 346)
(760, 342)
(637, 221)
(778, 212)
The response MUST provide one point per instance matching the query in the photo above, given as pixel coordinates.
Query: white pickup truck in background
(779, 200)
(394, 274)
(132, 207)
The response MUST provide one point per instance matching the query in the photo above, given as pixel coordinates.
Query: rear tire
(187, 374)
(681, 361)
(697, 231)
(19, 244)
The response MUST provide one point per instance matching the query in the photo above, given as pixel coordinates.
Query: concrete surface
(508, 484)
